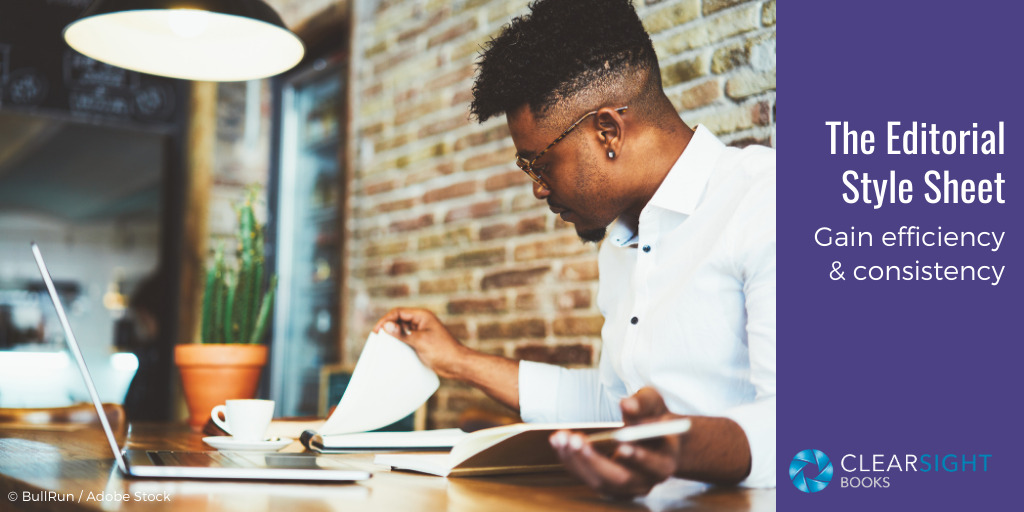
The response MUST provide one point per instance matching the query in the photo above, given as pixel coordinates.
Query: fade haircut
(566, 56)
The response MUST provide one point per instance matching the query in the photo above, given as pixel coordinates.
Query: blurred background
(376, 190)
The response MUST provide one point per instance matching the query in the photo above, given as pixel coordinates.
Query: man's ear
(610, 131)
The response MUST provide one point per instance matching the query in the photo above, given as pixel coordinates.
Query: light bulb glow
(188, 23)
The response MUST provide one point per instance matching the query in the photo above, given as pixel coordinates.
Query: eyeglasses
(527, 165)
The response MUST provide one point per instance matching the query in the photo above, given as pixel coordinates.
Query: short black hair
(561, 48)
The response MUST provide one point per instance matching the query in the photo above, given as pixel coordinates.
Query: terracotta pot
(214, 372)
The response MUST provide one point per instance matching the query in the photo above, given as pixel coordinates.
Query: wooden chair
(71, 418)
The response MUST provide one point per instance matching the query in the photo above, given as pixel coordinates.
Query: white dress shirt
(688, 302)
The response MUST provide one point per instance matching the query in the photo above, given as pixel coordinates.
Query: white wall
(92, 254)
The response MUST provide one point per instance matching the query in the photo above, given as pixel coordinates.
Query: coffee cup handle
(215, 416)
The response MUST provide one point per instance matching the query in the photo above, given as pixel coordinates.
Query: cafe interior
(312, 171)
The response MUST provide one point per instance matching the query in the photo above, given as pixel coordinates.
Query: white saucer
(230, 443)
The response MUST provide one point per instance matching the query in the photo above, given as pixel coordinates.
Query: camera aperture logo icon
(810, 470)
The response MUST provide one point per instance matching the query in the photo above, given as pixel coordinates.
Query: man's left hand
(633, 468)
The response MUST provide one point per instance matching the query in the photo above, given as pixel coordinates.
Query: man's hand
(633, 468)
(714, 450)
(434, 344)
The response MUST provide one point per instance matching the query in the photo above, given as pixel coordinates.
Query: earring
(611, 154)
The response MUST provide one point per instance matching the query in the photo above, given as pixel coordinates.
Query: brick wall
(439, 217)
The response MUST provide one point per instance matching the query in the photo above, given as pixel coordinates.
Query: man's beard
(592, 235)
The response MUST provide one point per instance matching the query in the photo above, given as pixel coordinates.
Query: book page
(389, 383)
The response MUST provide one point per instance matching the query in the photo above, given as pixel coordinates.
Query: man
(687, 266)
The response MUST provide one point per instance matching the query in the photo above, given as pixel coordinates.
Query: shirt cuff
(757, 420)
(538, 392)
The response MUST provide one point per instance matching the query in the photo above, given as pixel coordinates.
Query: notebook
(197, 465)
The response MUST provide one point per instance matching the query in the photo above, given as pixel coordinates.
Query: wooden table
(71, 465)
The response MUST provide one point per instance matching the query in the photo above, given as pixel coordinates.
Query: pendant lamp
(210, 40)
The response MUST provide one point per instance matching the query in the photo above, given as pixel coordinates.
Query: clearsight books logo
(810, 470)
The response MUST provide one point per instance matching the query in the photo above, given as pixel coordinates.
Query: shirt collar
(682, 187)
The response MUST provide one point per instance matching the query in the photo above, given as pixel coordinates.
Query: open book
(518, 448)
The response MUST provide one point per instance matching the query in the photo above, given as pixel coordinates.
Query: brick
(453, 237)
(373, 269)
(712, 6)
(432, 21)
(748, 141)
(474, 211)
(389, 291)
(420, 222)
(451, 283)
(510, 278)
(750, 83)
(530, 328)
(376, 49)
(429, 173)
(452, 33)
(761, 113)
(580, 271)
(477, 258)
(504, 156)
(726, 121)
(573, 299)
(451, 78)
(482, 137)
(527, 302)
(459, 330)
(683, 71)
(496, 231)
(391, 206)
(671, 16)
(699, 95)
(532, 225)
(578, 326)
(418, 111)
(379, 187)
(555, 248)
(392, 143)
(462, 97)
(768, 14)
(375, 250)
(734, 21)
(373, 90)
(559, 354)
(444, 126)
(477, 306)
(729, 57)
(402, 267)
(506, 180)
(452, 191)
(683, 39)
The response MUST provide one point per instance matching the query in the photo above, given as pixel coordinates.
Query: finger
(599, 472)
(644, 404)
(390, 316)
(656, 465)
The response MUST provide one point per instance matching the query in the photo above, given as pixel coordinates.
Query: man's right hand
(434, 344)
(496, 375)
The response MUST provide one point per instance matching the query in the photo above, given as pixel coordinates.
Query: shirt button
(647, 248)
(634, 320)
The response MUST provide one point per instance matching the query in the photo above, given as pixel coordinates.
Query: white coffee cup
(245, 420)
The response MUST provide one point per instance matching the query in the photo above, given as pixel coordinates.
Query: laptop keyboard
(198, 459)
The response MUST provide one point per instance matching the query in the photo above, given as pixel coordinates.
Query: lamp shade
(212, 40)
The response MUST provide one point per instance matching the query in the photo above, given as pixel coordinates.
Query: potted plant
(227, 362)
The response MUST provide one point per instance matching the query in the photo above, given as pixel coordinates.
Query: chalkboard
(40, 73)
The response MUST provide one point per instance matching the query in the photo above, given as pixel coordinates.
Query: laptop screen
(77, 352)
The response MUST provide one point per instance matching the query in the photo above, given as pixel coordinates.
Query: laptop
(197, 465)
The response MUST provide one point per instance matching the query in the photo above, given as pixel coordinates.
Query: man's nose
(540, 191)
